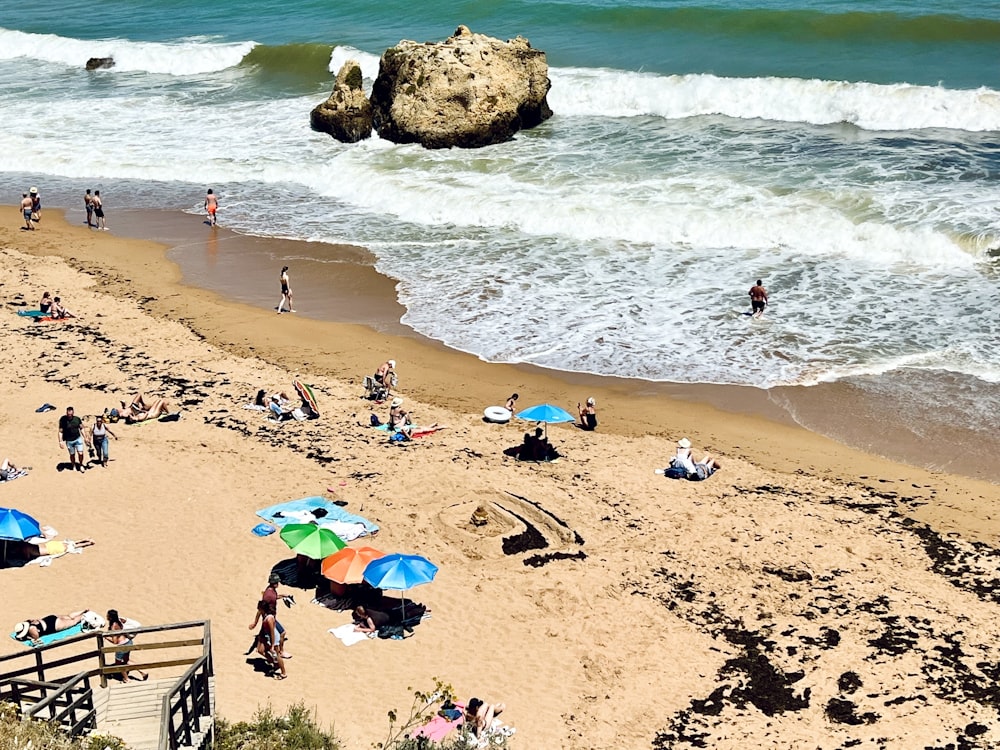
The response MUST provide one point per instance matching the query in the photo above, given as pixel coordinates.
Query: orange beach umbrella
(348, 565)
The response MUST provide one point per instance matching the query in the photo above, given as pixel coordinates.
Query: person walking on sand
(99, 439)
(36, 205)
(211, 206)
(286, 292)
(88, 204)
(26, 210)
(99, 211)
(758, 299)
(71, 435)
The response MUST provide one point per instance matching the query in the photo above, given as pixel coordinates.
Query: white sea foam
(183, 57)
(368, 62)
(613, 93)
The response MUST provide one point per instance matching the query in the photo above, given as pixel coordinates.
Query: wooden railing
(71, 704)
(52, 682)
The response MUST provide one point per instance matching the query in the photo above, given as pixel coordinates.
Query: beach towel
(10, 476)
(276, 514)
(347, 634)
(53, 637)
(255, 407)
(440, 727)
(31, 313)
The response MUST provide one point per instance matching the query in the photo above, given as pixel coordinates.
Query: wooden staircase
(73, 683)
(133, 710)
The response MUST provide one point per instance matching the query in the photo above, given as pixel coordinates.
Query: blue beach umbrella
(16, 526)
(547, 414)
(399, 572)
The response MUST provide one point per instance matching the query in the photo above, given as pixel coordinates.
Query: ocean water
(849, 157)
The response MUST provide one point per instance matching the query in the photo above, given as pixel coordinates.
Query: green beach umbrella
(310, 540)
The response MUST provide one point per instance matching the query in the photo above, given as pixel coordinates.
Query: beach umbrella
(547, 414)
(16, 526)
(400, 572)
(310, 540)
(348, 565)
(306, 394)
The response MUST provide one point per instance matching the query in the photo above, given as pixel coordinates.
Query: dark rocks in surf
(347, 113)
(469, 91)
(96, 63)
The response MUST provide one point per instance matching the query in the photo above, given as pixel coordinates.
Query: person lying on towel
(33, 630)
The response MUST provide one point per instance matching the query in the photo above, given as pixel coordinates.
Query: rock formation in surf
(470, 90)
(347, 113)
(100, 62)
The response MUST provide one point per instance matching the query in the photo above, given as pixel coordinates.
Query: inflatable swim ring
(496, 414)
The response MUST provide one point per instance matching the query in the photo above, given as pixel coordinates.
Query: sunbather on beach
(588, 414)
(45, 303)
(9, 471)
(33, 630)
(705, 468)
(479, 715)
(143, 407)
(382, 373)
(369, 620)
(537, 447)
(58, 311)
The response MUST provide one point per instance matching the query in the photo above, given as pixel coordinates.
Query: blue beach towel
(52, 637)
(31, 313)
(263, 529)
(333, 512)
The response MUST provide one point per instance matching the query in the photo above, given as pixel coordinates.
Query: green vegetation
(296, 730)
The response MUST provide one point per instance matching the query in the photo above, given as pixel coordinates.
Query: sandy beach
(643, 612)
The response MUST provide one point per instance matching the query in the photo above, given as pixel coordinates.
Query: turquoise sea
(848, 153)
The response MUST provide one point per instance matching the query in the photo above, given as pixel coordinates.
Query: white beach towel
(345, 530)
(348, 634)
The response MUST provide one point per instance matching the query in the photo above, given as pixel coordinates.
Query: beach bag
(676, 470)
(114, 416)
(375, 420)
(397, 437)
(391, 631)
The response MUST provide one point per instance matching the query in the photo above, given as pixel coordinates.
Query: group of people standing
(94, 205)
(31, 208)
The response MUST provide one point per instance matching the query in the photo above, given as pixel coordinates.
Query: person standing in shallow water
(758, 299)
(88, 203)
(26, 211)
(286, 292)
(99, 211)
(211, 206)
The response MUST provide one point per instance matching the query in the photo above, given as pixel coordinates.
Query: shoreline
(746, 424)
(243, 268)
(635, 574)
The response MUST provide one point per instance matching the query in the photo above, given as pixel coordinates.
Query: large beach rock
(347, 113)
(94, 63)
(470, 90)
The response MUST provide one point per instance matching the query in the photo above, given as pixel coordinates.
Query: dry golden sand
(723, 612)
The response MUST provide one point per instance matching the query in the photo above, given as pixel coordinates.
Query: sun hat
(396, 402)
(684, 443)
(21, 630)
(591, 402)
(392, 363)
(33, 190)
